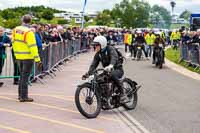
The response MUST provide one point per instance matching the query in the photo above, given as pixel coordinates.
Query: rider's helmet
(100, 40)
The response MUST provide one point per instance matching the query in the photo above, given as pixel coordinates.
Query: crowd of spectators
(47, 33)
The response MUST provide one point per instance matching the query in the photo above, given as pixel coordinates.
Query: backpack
(120, 56)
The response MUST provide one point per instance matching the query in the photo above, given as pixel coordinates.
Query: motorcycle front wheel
(87, 101)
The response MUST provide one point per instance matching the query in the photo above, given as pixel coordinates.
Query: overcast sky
(98, 5)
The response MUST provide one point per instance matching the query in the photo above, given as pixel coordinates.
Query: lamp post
(173, 4)
(82, 21)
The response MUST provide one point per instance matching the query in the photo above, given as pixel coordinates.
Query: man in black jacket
(4, 42)
(108, 56)
(140, 41)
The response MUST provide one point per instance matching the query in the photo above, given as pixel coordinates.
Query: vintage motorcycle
(99, 92)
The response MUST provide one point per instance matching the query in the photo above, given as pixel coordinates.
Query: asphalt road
(168, 101)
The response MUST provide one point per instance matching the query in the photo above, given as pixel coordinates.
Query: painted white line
(13, 129)
(126, 122)
(135, 122)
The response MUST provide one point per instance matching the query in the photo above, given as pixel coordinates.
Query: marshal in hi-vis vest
(24, 44)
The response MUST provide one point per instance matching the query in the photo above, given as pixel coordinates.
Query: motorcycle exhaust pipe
(134, 91)
(138, 87)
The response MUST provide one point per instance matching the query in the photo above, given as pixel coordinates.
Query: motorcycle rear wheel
(133, 97)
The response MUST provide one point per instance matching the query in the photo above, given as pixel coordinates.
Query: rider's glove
(108, 68)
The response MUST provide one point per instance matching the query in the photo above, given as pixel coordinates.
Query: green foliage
(72, 22)
(7, 14)
(174, 56)
(103, 18)
(47, 14)
(10, 17)
(62, 21)
(11, 23)
(133, 13)
(161, 15)
(185, 14)
(86, 18)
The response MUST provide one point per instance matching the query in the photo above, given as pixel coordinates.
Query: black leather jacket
(106, 56)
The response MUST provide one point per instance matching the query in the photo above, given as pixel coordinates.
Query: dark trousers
(2, 60)
(16, 68)
(143, 49)
(16, 71)
(25, 67)
(149, 50)
(115, 76)
(127, 47)
(175, 44)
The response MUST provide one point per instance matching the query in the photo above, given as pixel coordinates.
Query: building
(77, 16)
(177, 20)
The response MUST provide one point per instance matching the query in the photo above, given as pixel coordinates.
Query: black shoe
(1, 84)
(15, 82)
(26, 100)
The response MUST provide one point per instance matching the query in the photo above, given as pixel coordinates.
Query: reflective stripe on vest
(16, 40)
(22, 52)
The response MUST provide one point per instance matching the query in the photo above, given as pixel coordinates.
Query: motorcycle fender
(132, 82)
(137, 87)
(84, 84)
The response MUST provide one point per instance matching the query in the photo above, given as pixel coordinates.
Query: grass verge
(174, 56)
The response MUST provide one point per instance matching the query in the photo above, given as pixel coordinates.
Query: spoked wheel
(129, 87)
(87, 102)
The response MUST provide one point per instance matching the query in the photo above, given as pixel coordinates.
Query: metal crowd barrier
(55, 55)
(52, 56)
(8, 65)
(190, 53)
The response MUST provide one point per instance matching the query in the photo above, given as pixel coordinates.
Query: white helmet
(139, 32)
(101, 40)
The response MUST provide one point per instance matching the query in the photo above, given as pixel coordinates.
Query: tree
(11, 23)
(47, 14)
(104, 18)
(161, 16)
(132, 13)
(8, 14)
(62, 21)
(185, 14)
(86, 18)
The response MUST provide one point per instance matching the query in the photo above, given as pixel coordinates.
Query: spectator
(4, 42)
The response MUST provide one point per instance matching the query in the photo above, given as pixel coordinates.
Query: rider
(108, 57)
(158, 40)
(139, 40)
